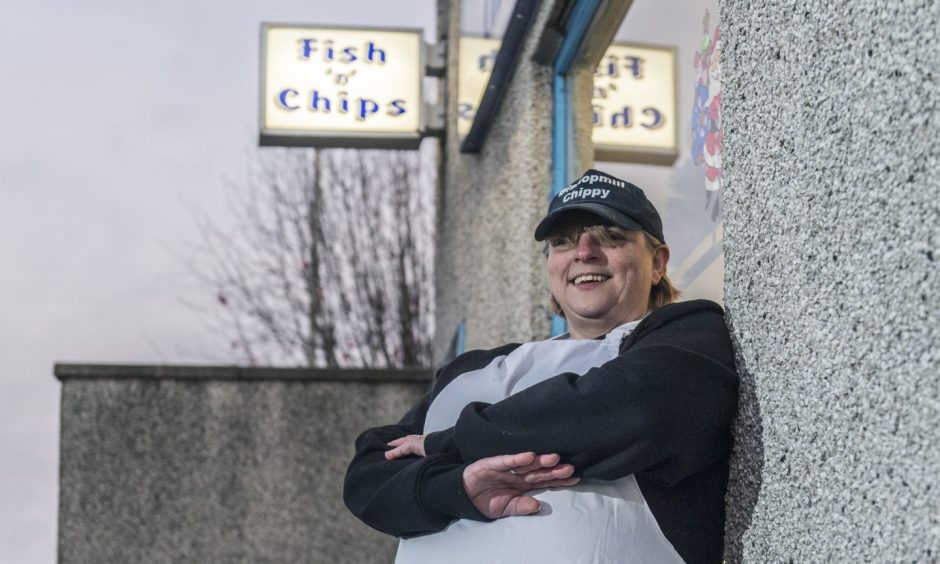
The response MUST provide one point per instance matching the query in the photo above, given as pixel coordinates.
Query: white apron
(594, 522)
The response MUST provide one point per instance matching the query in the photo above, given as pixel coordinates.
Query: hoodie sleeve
(408, 496)
(413, 495)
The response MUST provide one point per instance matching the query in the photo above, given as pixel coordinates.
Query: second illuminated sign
(634, 103)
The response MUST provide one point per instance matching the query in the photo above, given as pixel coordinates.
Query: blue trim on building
(563, 141)
(575, 27)
(560, 113)
(559, 325)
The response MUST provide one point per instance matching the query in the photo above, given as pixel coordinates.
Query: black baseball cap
(618, 201)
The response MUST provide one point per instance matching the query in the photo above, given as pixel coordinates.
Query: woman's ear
(660, 259)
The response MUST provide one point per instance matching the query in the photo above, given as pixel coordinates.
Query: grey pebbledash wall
(489, 269)
(831, 118)
(490, 272)
(218, 464)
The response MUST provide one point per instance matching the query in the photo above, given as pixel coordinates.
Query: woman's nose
(586, 249)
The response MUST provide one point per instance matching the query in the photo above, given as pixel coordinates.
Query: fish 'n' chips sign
(635, 110)
(634, 103)
(335, 87)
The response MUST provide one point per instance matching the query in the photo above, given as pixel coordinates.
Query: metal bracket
(435, 57)
(435, 124)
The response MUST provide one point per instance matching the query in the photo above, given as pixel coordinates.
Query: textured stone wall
(489, 269)
(163, 464)
(831, 117)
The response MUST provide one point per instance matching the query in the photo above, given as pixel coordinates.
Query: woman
(609, 444)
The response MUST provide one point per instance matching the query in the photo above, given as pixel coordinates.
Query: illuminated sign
(331, 87)
(634, 103)
(635, 113)
(475, 63)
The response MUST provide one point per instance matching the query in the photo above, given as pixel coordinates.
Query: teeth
(590, 278)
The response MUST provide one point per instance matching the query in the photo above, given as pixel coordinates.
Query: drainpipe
(563, 142)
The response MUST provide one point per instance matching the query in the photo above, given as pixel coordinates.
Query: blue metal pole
(575, 27)
(563, 142)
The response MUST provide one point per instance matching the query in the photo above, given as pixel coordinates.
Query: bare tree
(331, 262)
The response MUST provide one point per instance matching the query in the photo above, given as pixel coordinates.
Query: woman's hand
(496, 484)
(406, 446)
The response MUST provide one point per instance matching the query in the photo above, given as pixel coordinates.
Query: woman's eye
(559, 241)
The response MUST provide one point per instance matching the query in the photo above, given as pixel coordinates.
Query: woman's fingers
(525, 462)
(496, 485)
(528, 505)
(511, 462)
(558, 483)
(400, 451)
(561, 471)
(522, 505)
(405, 446)
(538, 463)
(524, 470)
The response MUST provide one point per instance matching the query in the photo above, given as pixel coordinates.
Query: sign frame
(273, 137)
(638, 154)
(476, 108)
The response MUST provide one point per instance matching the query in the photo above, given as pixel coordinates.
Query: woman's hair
(661, 294)
(664, 292)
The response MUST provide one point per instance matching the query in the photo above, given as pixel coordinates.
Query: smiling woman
(602, 275)
(617, 434)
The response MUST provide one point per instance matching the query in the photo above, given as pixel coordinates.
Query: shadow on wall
(747, 460)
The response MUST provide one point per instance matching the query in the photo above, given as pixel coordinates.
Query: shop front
(540, 92)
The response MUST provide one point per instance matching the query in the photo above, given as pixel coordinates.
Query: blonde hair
(662, 293)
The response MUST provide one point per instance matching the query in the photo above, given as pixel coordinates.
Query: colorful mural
(706, 116)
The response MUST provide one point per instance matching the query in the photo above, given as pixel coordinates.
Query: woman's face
(601, 286)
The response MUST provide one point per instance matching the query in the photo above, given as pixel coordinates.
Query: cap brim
(544, 227)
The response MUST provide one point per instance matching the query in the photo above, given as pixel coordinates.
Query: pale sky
(117, 118)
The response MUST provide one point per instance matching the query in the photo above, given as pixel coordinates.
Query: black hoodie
(661, 410)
